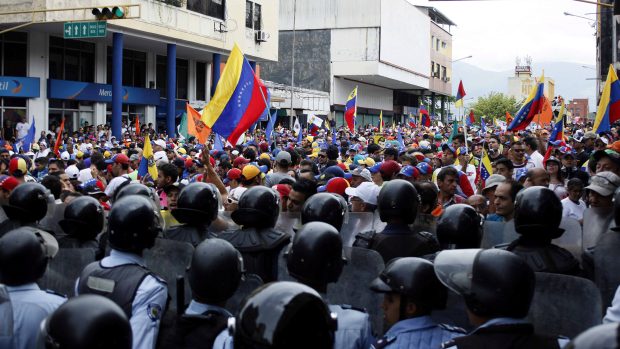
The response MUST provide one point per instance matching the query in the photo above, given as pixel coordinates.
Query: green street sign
(82, 30)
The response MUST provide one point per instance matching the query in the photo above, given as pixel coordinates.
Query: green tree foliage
(495, 105)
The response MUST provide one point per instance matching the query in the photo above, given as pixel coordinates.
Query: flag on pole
(147, 164)
(59, 138)
(182, 128)
(28, 139)
(315, 124)
(508, 118)
(350, 110)
(195, 126)
(486, 170)
(411, 121)
(239, 99)
(381, 121)
(608, 108)
(270, 125)
(217, 143)
(483, 126)
(471, 119)
(455, 131)
(137, 126)
(401, 142)
(532, 106)
(460, 93)
(425, 119)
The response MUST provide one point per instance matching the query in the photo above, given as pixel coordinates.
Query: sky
(496, 32)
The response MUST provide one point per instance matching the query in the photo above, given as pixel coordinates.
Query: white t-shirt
(573, 210)
(115, 183)
(22, 129)
(537, 159)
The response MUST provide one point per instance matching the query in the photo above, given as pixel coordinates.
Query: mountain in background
(570, 80)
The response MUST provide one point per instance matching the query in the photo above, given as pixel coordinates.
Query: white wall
(38, 68)
(368, 96)
(355, 44)
(324, 14)
(405, 36)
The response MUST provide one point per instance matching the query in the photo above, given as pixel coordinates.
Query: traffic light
(106, 13)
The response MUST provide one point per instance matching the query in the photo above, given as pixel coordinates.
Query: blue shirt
(396, 229)
(197, 308)
(417, 332)
(30, 307)
(148, 304)
(354, 331)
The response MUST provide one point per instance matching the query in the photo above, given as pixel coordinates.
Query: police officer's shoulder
(159, 279)
(451, 328)
(503, 246)
(449, 344)
(350, 307)
(427, 236)
(384, 342)
(54, 293)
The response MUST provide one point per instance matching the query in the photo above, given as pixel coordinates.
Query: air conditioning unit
(261, 36)
(435, 74)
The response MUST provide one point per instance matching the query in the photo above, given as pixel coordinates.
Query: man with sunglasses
(519, 159)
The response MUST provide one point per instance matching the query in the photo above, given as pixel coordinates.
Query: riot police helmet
(415, 279)
(215, 271)
(398, 201)
(459, 227)
(324, 207)
(87, 321)
(538, 213)
(83, 218)
(606, 336)
(134, 188)
(315, 257)
(24, 254)
(258, 208)
(494, 283)
(282, 315)
(197, 204)
(27, 203)
(133, 224)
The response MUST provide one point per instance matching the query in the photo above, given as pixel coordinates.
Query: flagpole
(464, 129)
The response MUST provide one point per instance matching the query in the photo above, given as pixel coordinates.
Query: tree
(495, 105)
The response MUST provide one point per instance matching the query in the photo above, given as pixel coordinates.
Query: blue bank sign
(18, 86)
(87, 91)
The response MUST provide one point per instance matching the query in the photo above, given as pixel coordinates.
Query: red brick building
(578, 109)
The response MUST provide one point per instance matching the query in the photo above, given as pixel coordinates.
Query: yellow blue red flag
(239, 99)
(147, 164)
(350, 110)
(608, 108)
(533, 105)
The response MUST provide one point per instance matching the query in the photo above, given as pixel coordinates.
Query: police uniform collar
(25, 287)
(117, 256)
(197, 308)
(412, 324)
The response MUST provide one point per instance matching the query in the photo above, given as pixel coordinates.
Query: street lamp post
(462, 58)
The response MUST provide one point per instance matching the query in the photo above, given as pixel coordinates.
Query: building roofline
(436, 15)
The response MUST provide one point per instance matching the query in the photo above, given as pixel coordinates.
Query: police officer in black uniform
(83, 221)
(27, 206)
(281, 315)
(538, 213)
(459, 227)
(88, 321)
(257, 241)
(412, 292)
(398, 206)
(197, 208)
(315, 259)
(214, 275)
(123, 276)
(24, 255)
(498, 287)
(325, 207)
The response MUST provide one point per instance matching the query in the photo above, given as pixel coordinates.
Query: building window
(211, 8)
(182, 76)
(432, 67)
(128, 112)
(444, 73)
(253, 15)
(444, 44)
(437, 44)
(201, 81)
(13, 60)
(134, 68)
(72, 60)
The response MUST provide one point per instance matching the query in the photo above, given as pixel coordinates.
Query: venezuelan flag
(533, 105)
(486, 170)
(425, 120)
(608, 108)
(411, 120)
(460, 93)
(350, 110)
(239, 99)
(381, 121)
(147, 164)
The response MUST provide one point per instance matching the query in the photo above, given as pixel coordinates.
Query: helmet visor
(454, 268)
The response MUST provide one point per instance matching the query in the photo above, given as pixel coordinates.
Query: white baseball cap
(367, 191)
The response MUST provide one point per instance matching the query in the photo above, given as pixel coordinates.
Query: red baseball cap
(233, 173)
(389, 168)
(240, 160)
(8, 183)
(335, 185)
(118, 159)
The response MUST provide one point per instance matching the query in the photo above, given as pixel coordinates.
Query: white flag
(297, 126)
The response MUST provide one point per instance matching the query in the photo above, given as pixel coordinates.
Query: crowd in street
(436, 191)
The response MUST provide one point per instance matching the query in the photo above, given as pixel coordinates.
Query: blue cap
(520, 173)
(408, 171)
(335, 171)
(375, 168)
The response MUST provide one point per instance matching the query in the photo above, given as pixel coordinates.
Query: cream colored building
(520, 85)
(201, 31)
